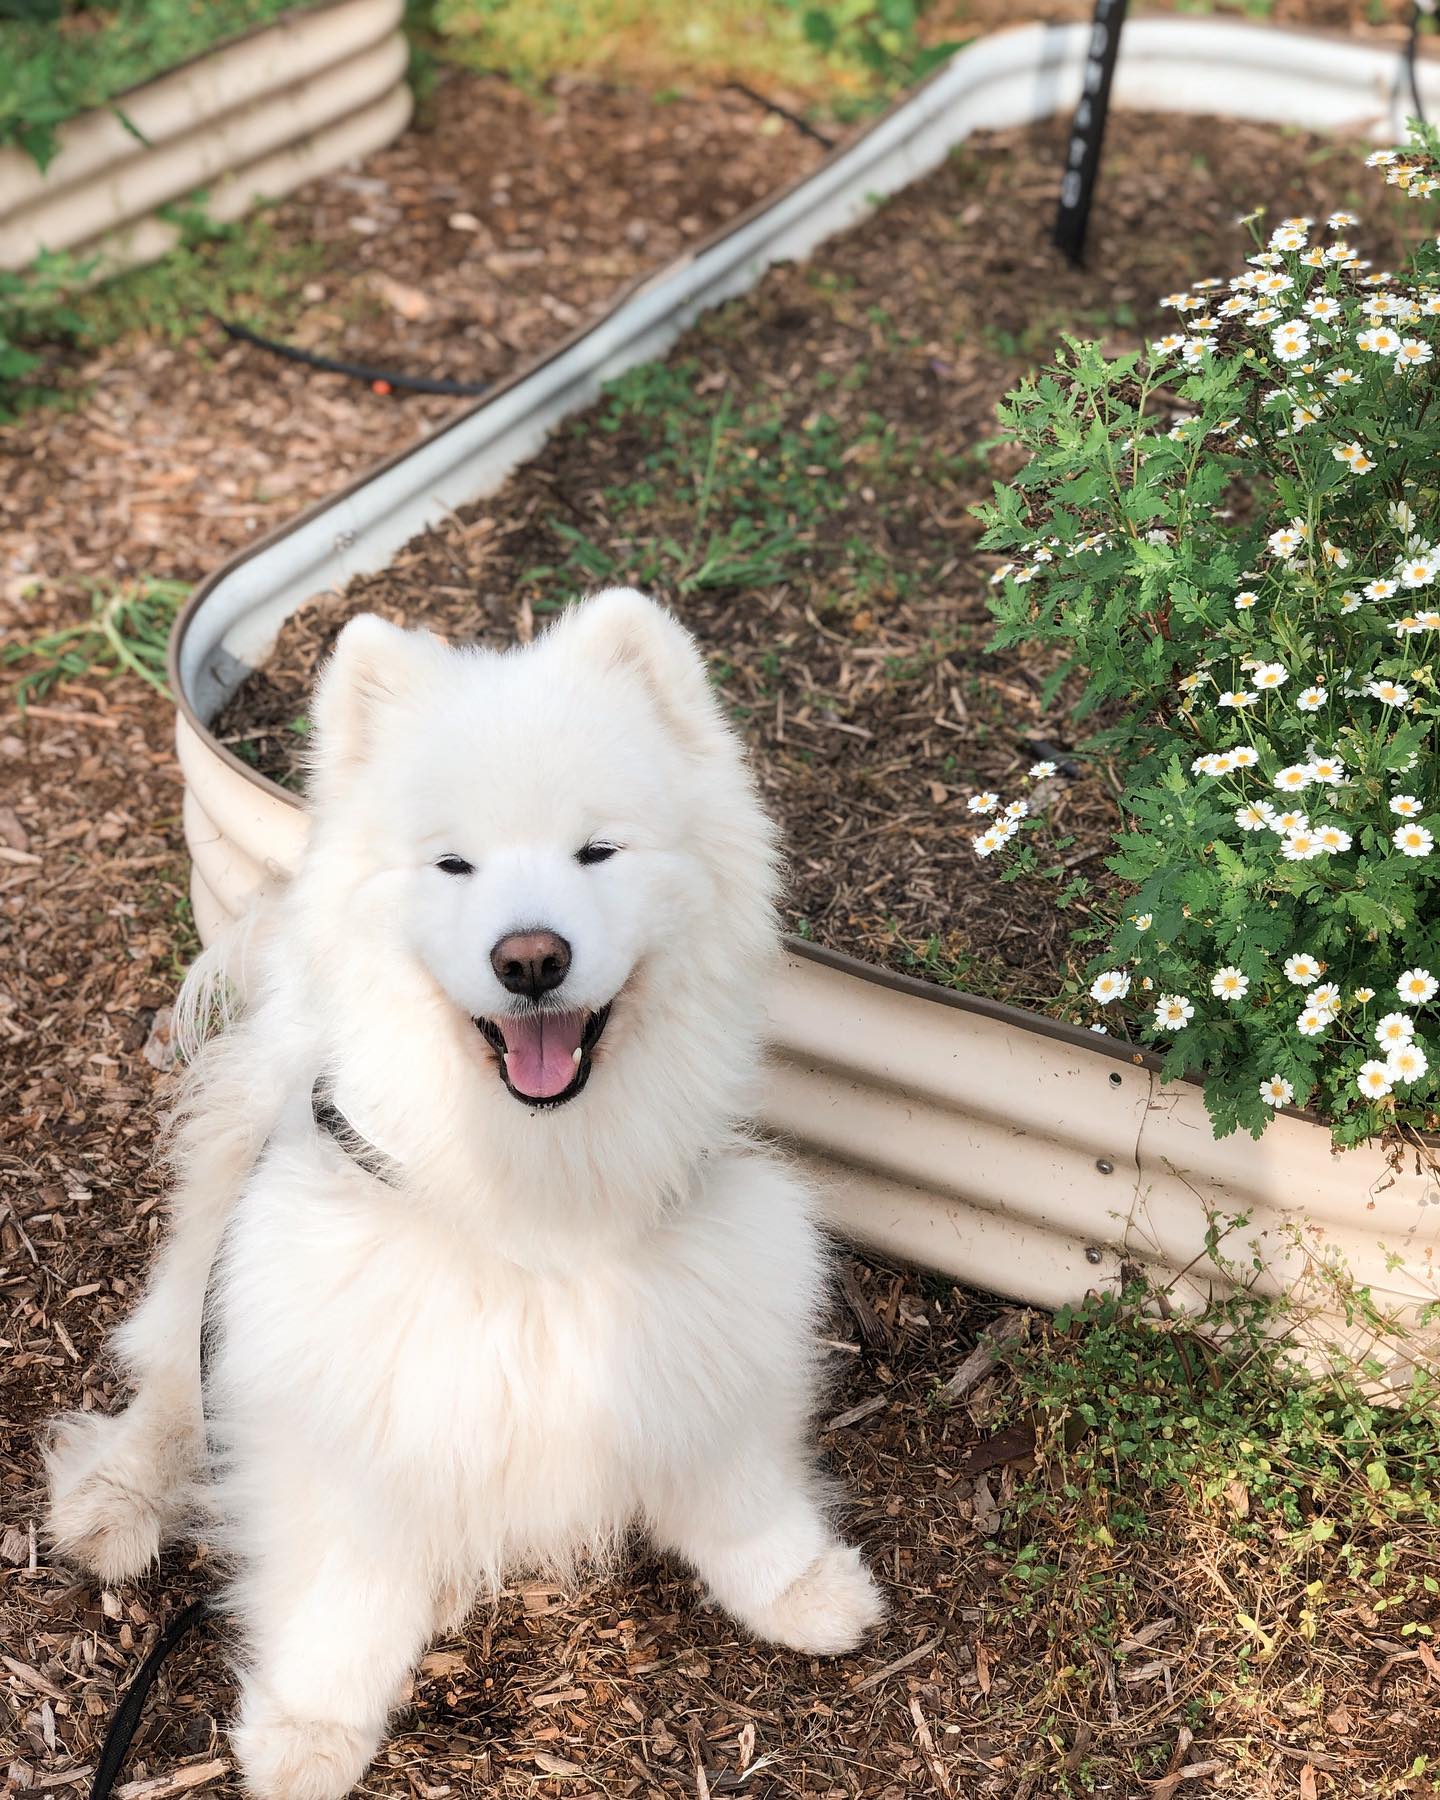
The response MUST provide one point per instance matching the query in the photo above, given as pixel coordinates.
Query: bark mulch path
(797, 479)
(172, 458)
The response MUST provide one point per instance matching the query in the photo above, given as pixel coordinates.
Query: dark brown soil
(797, 481)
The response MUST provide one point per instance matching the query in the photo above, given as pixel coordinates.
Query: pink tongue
(540, 1052)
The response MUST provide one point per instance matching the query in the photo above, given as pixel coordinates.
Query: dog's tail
(219, 984)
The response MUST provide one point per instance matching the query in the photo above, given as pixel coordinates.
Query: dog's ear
(621, 628)
(374, 665)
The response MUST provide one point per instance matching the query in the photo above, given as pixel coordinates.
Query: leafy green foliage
(1229, 539)
(36, 306)
(61, 58)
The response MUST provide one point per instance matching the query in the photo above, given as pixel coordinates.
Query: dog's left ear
(622, 628)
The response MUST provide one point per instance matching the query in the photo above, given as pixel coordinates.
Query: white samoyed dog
(519, 1279)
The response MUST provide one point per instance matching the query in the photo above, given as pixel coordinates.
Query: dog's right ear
(374, 666)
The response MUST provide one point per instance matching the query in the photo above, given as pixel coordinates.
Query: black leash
(333, 1124)
(382, 380)
(1087, 130)
(127, 1715)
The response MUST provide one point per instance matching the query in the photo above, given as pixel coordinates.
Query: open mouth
(544, 1057)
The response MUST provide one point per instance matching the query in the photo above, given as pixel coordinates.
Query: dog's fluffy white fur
(563, 1319)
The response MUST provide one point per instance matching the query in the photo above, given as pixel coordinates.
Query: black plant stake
(1087, 129)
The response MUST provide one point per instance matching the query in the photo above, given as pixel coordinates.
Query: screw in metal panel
(1094, 1254)
(1104, 1165)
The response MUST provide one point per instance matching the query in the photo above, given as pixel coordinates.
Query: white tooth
(575, 1056)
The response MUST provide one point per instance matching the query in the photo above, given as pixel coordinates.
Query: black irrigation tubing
(382, 380)
(798, 120)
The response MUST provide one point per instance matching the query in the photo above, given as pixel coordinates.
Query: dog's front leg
(757, 1535)
(333, 1613)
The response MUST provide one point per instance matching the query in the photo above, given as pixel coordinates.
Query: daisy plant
(1232, 540)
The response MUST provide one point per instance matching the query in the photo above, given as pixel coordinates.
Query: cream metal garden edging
(250, 120)
(1028, 1157)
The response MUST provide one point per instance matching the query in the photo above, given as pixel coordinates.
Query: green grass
(743, 496)
(244, 271)
(847, 54)
(60, 58)
(1192, 1471)
(126, 633)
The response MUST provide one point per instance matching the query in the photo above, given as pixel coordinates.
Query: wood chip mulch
(171, 458)
(798, 481)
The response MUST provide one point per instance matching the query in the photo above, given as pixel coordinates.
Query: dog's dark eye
(593, 853)
(455, 865)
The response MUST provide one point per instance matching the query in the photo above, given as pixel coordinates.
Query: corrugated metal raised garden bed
(1026, 1156)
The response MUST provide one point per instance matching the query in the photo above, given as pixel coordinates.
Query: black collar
(332, 1122)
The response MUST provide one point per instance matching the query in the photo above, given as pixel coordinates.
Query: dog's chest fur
(542, 1407)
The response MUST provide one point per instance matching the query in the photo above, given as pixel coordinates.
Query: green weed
(127, 632)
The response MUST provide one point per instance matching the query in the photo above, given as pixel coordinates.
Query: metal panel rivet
(1094, 1254)
(1115, 1078)
(1104, 1165)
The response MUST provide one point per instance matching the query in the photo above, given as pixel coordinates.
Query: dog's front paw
(828, 1609)
(106, 1512)
(285, 1758)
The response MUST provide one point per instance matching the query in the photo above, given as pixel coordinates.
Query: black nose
(531, 962)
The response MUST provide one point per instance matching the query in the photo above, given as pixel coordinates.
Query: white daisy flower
(1018, 809)
(1390, 692)
(1416, 986)
(1175, 300)
(1340, 221)
(1234, 306)
(1379, 341)
(1173, 1012)
(1373, 1080)
(1277, 1091)
(1327, 769)
(1301, 846)
(1244, 756)
(1290, 342)
(1326, 997)
(1349, 601)
(1342, 378)
(1381, 589)
(1170, 345)
(1334, 840)
(1114, 984)
(1407, 1063)
(1244, 601)
(1269, 675)
(1364, 995)
(1253, 818)
(1272, 283)
(1395, 1029)
(1412, 353)
(1041, 771)
(1323, 307)
(1229, 984)
(1419, 571)
(1407, 806)
(1286, 822)
(1143, 921)
(1312, 1022)
(1236, 697)
(1293, 779)
(1265, 315)
(982, 803)
(1302, 969)
(988, 842)
(1311, 699)
(1289, 538)
(1412, 840)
